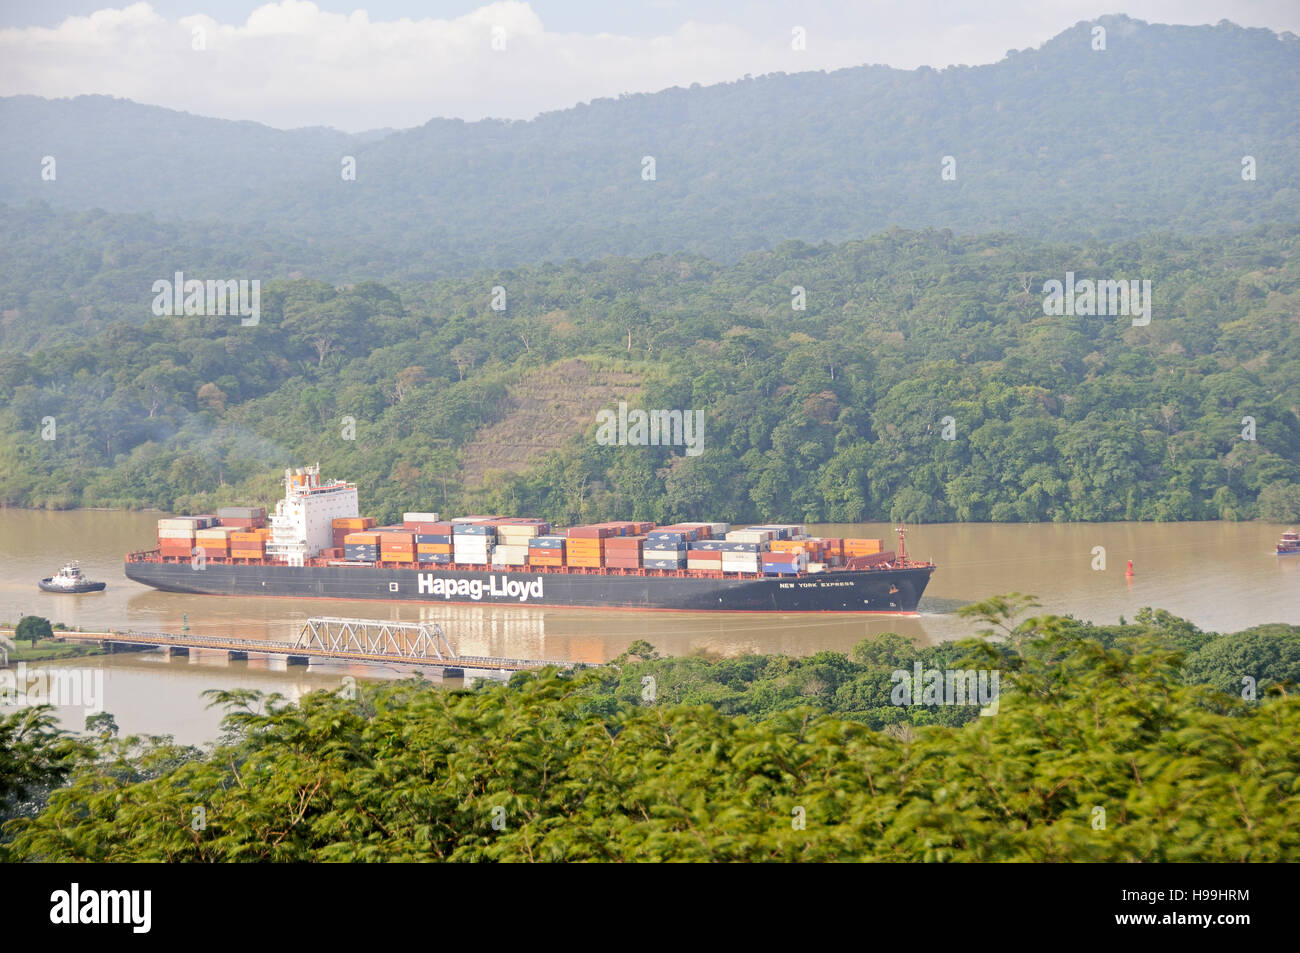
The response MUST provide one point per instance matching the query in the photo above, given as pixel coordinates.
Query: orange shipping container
(862, 546)
(790, 545)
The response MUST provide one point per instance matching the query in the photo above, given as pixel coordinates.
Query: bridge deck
(265, 647)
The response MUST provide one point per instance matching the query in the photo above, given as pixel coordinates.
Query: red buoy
(1129, 570)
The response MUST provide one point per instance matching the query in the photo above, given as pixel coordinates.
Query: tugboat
(70, 579)
(1289, 544)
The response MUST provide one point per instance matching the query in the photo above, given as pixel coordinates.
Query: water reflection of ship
(580, 635)
(481, 630)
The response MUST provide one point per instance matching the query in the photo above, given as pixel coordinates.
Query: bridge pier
(237, 656)
(170, 650)
(297, 660)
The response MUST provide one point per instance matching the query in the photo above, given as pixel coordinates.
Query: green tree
(33, 627)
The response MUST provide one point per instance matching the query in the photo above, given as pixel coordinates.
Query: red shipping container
(625, 541)
(595, 531)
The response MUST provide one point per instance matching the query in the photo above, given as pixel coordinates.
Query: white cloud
(292, 64)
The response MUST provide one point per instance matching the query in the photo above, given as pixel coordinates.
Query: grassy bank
(45, 650)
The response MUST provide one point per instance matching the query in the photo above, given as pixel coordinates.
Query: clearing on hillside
(547, 409)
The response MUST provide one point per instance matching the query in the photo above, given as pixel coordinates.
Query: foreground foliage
(1099, 752)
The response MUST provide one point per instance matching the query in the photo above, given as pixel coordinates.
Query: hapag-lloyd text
(495, 586)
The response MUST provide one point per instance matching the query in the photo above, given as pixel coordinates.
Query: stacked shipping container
(237, 532)
(624, 552)
(423, 538)
(546, 551)
(473, 539)
(344, 525)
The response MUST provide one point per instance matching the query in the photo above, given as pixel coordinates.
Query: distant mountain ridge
(1063, 142)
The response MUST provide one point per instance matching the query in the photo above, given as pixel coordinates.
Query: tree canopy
(1099, 750)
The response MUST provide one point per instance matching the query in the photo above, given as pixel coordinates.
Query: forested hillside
(1061, 143)
(837, 412)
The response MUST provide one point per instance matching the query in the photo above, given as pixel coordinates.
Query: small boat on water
(70, 579)
(1289, 544)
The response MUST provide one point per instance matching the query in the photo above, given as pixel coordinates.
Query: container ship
(315, 545)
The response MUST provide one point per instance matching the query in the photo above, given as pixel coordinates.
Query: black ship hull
(876, 590)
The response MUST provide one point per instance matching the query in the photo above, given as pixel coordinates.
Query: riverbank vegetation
(921, 381)
(35, 640)
(1109, 743)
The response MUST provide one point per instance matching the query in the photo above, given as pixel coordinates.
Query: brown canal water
(1222, 576)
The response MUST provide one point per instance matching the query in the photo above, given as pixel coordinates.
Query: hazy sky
(357, 65)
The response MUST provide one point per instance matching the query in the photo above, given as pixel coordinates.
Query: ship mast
(902, 545)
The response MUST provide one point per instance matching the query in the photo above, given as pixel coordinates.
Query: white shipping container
(180, 522)
(508, 560)
(749, 536)
(420, 517)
